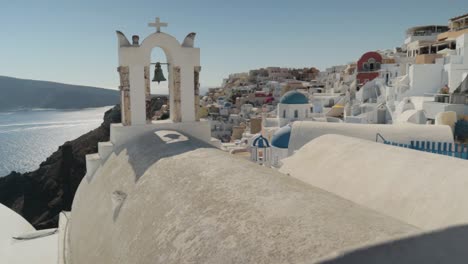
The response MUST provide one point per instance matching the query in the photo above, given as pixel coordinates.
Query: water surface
(28, 137)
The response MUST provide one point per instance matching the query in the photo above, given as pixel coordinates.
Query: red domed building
(368, 67)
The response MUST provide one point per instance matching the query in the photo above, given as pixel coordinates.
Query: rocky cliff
(39, 196)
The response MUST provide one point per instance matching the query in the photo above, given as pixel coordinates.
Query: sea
(28, 137)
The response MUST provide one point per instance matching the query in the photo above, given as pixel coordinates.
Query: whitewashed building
(293, 106)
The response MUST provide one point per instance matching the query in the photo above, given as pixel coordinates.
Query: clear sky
(74, 41)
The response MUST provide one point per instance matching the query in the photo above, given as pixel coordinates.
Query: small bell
(158, 74)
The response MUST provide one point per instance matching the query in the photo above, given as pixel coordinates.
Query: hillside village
(424, 82)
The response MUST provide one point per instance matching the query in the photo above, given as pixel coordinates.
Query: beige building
(421, 40)
(255, 125)
(424, 43)
(458, 26)
(237, 132)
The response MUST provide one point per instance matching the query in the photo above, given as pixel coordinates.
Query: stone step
(105, 149)
(93, 161)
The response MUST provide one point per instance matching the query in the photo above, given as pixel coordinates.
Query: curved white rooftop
(180, 201)
(423, 189)
(12, 224)
(12, 251)
(305, 131)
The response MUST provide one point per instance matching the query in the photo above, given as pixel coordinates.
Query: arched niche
(171, 48)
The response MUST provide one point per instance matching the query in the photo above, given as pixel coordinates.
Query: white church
(162, 192)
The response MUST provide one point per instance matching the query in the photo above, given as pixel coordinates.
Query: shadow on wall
(441, 246)
(147, 149)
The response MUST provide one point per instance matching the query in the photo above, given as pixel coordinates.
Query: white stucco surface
(137, 94)
(180, 201)
(303, 132)
(120, 134)
(277, 154)
(12, 224)
(412, 116)
(432, 109)
(286, 113)
(35, 251)
(423, 189)
(425, 78)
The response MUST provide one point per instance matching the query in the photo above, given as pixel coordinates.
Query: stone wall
(125, 94)
(196, 86)
(176, 116)
(149, 114)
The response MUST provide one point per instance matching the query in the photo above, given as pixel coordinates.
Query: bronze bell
(158, 74)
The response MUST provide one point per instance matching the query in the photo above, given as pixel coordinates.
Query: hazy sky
(74, 41)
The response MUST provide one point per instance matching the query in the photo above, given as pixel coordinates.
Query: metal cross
(158, 25)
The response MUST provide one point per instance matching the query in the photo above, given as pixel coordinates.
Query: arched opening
(159, 92)
(158, 55)
(284, 113)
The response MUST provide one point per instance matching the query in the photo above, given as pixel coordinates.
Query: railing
(442, 148)
(377, 136)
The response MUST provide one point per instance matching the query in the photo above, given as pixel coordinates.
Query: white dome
(184, 202)
(13, 224)
(41, 250)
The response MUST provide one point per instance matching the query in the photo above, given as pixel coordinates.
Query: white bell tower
(134, 68)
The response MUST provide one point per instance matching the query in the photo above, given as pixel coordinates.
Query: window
(371, 63)
(284, 113)
(296, 114)
(365, 66)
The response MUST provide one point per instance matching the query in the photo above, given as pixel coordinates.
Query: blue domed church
(293, 106)
(280, 145)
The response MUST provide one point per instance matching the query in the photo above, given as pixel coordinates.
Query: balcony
(452, 34)
(427, 58)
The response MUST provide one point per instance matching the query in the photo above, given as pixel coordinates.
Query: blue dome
(294, 97)
(281, 137)
(260, 142)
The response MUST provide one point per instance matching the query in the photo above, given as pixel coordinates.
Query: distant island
(20, 94)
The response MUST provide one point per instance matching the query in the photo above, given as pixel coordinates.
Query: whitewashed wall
(305, 131)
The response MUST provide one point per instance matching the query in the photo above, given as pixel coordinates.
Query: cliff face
(39, 196)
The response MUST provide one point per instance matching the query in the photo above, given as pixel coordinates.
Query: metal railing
(377, 136)
(442, 148)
